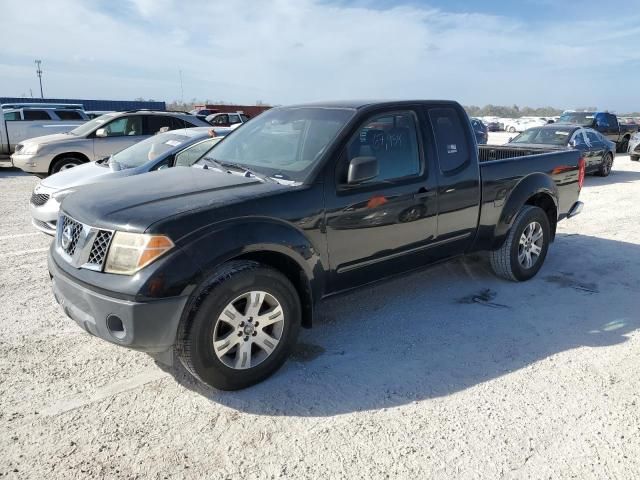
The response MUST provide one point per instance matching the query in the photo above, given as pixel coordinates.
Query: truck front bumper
(146, 326)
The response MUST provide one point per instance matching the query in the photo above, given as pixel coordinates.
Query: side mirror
(101, 132)
(510, 138)
(163, 166)
(573, 143)
(362, 169)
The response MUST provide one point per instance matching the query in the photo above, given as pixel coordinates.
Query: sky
(561, 53)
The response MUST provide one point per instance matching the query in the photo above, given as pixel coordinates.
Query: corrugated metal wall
(98, 105)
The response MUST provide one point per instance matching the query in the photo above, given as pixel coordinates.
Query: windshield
(545, 136)
(579, 118)
(283, 142)
(91, 125)
(149, 149)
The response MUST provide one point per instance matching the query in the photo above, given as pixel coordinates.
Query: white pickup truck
(27, 120)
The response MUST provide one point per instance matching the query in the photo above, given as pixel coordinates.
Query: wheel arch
(77, 155)
(538, 190)
(274, 244)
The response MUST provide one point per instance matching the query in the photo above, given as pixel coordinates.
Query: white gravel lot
(447, 373)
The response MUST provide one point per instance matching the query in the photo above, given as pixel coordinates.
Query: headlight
(129, 252)
(59, 196)
(30, 149)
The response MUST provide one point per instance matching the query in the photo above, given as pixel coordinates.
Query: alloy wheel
(248, 330)
(530, 245)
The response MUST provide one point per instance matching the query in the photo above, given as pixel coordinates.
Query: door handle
(423, 193)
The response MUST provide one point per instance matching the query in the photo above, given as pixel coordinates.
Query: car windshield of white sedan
(545, 136)
(92, 125)
(284, 143)
(148, 150)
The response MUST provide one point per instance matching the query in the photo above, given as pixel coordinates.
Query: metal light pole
(39, 73)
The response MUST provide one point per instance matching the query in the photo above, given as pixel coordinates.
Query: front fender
(528, 187)
(225, 241)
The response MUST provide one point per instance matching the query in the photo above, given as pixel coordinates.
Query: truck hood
(53, 138)
(84, 174)
(135, 203)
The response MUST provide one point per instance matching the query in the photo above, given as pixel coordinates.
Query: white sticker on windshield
(562, 133)
(589, 116)
(173, 143)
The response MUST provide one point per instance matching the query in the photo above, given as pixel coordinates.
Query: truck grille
(39, 199)
(81, 245)
(70, 235)
(99, 248)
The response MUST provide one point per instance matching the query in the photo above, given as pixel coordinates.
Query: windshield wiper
(248, 172)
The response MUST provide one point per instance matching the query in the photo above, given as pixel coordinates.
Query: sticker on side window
(452, 148)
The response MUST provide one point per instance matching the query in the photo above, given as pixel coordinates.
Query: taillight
(581, 169)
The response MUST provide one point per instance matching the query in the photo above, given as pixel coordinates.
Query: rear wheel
(523, 252)
(243, 328)
(623, 145)
(605, 167)
(64, 164)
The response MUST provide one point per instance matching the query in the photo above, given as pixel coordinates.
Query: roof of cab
(360, 104)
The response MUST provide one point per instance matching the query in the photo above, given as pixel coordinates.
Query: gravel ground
(447, 373)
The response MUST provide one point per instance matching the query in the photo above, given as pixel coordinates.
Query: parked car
(494, 126)
(634, 147)
(480, 130)
(95, 139)
(22, 121)
(225, 264)
(201, 113)
(174, 148)
(604, 122)
(227, 119)
(597, 151)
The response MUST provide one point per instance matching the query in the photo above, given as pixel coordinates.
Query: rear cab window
(451, 140)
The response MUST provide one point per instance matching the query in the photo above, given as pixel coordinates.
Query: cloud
(301, 50)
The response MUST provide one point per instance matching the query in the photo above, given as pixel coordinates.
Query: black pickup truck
(604, 122)
(223, 262)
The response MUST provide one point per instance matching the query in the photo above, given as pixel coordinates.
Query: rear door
(385, 225)
(458, 178)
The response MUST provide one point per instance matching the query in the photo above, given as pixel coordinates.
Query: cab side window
(36, 115)
(68, 115)
(451, 140)
(393, 140)
(12, 116)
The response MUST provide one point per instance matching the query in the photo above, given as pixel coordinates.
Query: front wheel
(525, 248)
(243, 328)
(65, 164)
(605, 167)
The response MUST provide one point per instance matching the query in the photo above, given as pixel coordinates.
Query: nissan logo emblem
(67, 236)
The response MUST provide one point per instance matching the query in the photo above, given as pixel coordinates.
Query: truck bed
(502, 168)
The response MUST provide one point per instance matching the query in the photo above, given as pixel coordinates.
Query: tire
(607, 164)
(624, 145)
(512, 129)
(505, 260)
(224, 311)
(64, 164)
(634, 158)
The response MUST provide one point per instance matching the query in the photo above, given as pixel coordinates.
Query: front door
(383, 225)
(121, 133)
